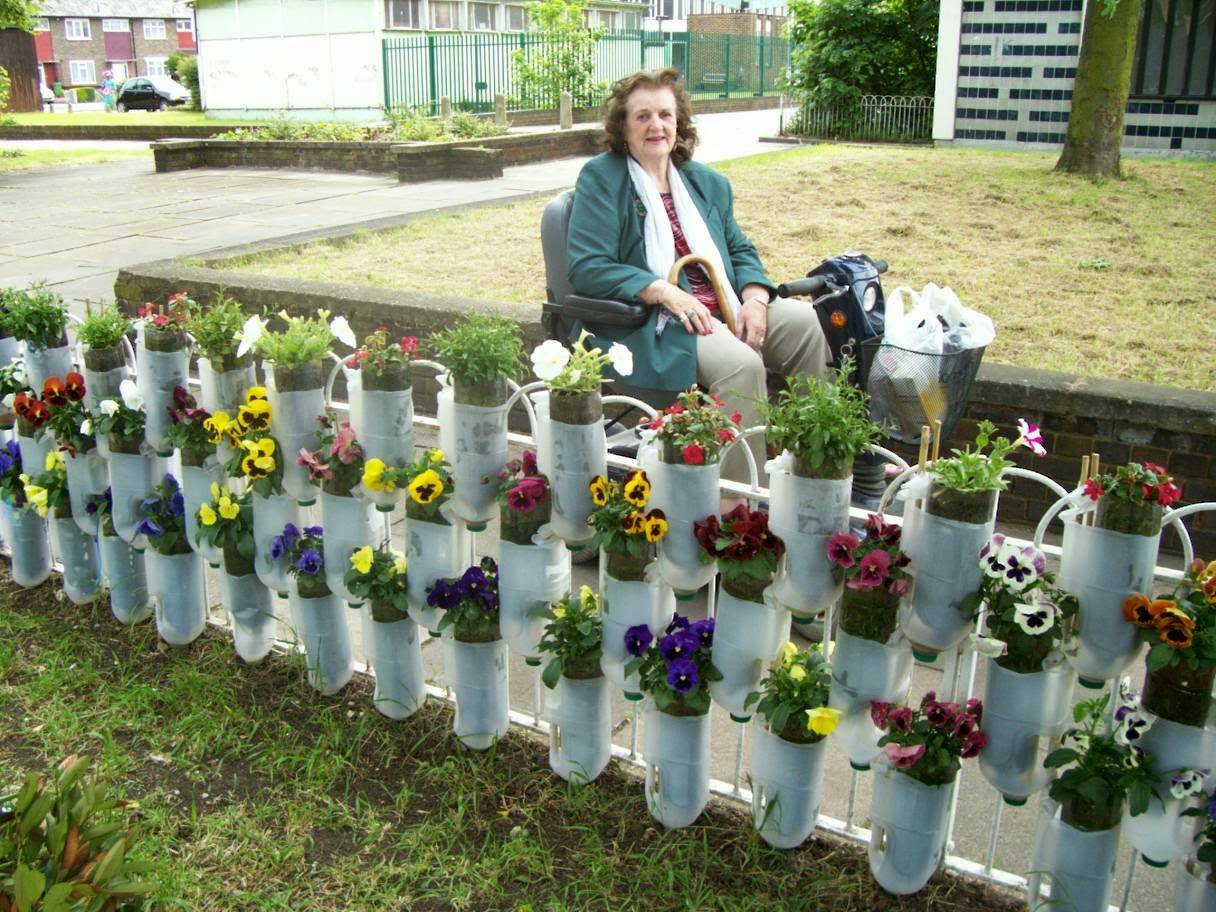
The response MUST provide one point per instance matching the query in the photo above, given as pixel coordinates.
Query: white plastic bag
(964, 328)
(917, 329)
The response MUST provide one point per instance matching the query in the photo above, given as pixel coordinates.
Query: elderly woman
(643, 204)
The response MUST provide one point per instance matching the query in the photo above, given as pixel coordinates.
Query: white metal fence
(893, 118)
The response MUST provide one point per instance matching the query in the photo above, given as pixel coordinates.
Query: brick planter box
(142, 132)
(476, 159)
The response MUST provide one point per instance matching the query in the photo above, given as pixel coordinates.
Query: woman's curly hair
(613, 139)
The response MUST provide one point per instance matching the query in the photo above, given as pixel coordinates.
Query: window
(119, 72)
(155, 66)
(81, 72)
(483, 16)
(42, 25)
(444, 15)
(517, 19)
(115, 25)
(607, 20)
(1174, 50)
(154, 28)
(77, 29)
(402, 14)
(185, 25)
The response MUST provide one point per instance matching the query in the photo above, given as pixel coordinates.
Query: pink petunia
(904, 755)
(345, 447)
(1032, 437)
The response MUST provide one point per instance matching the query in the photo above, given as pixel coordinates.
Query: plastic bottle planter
(1161, 834)
(480, 449)
(1102, 568)
(434, 550)
(907, 830)
(196, 491)
(162, 364)
(579, 711)
(348, 527)
(577, 453)
(78, 554)
(104, 369)
(24, 531)
(175, 582)
(805, 513)
(945, 565)
(1021, 712)
(382, 414)
(394, 650)
(677, 767)
(297, 398)
(685, 494)
(1194, 892)
(224, 389)
(33, 451)
(625, 604)
(1081, 864)
(529, 578)
(10, 348)
(863, 670)
(477, 673)
(747, 636)
(270, 514)
(787, 784)
(88, 475)
(43, 363)
(251, 614)
(123, 568)
(321, 630)
(131, 478)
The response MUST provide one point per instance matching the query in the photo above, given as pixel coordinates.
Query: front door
(120, 72)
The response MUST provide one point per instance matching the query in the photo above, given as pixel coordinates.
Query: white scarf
(661, 243)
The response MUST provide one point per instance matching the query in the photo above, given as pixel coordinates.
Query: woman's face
(650, 124)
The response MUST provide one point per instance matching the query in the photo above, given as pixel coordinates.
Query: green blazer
(607, 259)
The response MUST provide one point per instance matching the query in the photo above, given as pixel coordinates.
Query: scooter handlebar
(808, 286)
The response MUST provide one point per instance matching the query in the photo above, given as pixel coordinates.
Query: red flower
(147, 310)
(706, 533)
(676, 409)
(874, 569)
(725, 435)
(898, 588)
(976, 742)
(693, 454)
(1093, 490)
(54, 392)
(716, 399)
(528, 463)
(736, 417)
(409, 344)
(22, 403)
(1168, 494)
(1156, 469)
(841, 547)
(38, 413)
(75, 386)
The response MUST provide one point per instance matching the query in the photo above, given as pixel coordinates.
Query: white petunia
(549, 359)
(108, 406)
(990, 647)
(621, 358)
(86, 427)
(132, 397)
(250, 332)
(342, 331)
(1034, 619)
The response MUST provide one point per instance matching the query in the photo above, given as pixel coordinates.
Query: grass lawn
(1110, 279)
(50, 158)
(254, 793)
(129, 118)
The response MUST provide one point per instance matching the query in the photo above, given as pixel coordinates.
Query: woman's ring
(689, 314)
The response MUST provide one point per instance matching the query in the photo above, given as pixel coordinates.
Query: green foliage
(573, 637)
(64, 845)
(797, 685)
(824, 425)
(103, 326)
(5, 86)
(479, 348)
(184, 68)
(843, 49)
(304, 339)
(463, 125)
(226, 521)
(283, 127)
(975, 470)
(379, 576)
(215, 327)
(413, 125)
(683, 643)
(37, 316)
(560, 56)
(18, 14)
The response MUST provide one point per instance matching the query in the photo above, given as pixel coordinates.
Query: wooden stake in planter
(923, 456)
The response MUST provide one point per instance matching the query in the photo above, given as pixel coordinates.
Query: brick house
(78, 40)
(718, 62)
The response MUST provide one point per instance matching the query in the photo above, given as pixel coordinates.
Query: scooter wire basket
(910, 389)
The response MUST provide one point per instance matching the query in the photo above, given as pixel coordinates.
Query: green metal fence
(471, 68)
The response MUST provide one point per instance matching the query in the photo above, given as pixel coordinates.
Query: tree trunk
(1099, 98)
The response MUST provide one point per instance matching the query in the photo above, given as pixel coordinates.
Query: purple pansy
(679, 645)
(637, 638)
(310, 562)
(682, 675)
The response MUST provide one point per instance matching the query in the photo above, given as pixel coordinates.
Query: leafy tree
(844, 49)
(560, 56)
(18, 14)
(184, 69)
(5, 85)
(1099, 96)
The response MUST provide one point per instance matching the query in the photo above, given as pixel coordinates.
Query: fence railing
(892, 118)
(471, 68)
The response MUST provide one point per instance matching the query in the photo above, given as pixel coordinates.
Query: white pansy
(990, 647)
(621, 358)
(250, 332)
(86, 427)
(131, 395)
(1034, 619)
(342, 331)
(1188, 783)
(108, 406)
(549, 359)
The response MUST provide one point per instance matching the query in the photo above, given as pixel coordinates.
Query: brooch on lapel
(639, 208)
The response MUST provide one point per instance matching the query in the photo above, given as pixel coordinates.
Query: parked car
(152, 93)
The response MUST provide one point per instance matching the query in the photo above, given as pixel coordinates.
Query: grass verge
(256, 794)
(1107, 279)
(127, 118)
(29, 159)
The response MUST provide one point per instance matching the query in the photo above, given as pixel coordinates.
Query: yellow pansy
(437, 456)
(256, 394)
(255, 416)
(637, 489)
(373, 476)
(656, 526)
(37, 497)
(599, 490)
(229, 508)
(559, 611)
(206, 515)
(788, 651)
(822, 720)
(586, 597)
(258, 461)
(425, 487)
(215, 491)
(221, 425)
(53, 461)
(361, 559)
(399, 562)
(797, 673)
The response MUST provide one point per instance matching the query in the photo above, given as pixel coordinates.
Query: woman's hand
(694, 316)
(752, 323)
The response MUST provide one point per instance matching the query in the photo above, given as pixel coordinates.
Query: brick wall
(94, 49)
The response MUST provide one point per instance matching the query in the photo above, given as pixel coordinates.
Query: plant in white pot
(379, 577)
(578, 703)
(132, 470)
(225, 367)
(189, 434)
(38, 319)
(788, 749)
(70, 428)
(122, 566)
(102, 333)
(1196, 889)
(175, 572)
(21, 527)
(162, 359)
(47, 493)
(380, 390)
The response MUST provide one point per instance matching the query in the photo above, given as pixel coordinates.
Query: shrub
(563, 57)
(186, 72)
(5, 86)
(103, 327)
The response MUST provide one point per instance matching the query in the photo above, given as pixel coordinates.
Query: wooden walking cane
(719, 290)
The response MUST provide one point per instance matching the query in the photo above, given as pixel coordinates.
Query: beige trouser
(793, 345)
